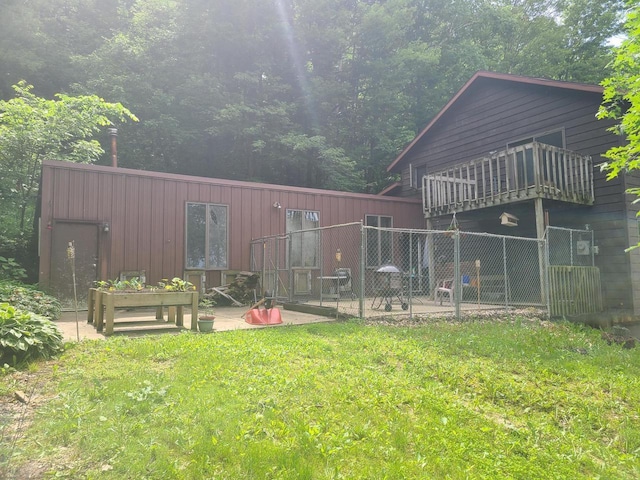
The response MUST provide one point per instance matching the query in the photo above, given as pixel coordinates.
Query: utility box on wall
(583, 247)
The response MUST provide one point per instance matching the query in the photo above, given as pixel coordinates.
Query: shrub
(26, 336)
(27, 297)
(11, 270)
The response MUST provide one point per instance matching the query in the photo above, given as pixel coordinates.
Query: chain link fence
(570, 247)
(319, 267)
(573, 281)
(363, 271)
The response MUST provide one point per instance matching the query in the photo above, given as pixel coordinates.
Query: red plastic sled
(264, 316)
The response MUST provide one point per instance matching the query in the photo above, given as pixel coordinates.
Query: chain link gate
(319, 266)
(573, 279)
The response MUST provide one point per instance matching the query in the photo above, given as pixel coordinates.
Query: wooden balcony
(528, 171)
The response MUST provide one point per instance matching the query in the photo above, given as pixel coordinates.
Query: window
(552, 138)
(417, 172)
(207, 242)
(379, 242)
(304, 246)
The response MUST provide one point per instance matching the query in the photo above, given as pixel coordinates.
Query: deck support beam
(540, 235)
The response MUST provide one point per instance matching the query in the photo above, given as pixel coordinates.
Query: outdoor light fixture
(105, 227)
(277, 205)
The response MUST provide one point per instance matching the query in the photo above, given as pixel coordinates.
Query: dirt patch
(23, 393)
(499, 315)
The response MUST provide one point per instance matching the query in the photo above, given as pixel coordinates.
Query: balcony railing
(515, 174)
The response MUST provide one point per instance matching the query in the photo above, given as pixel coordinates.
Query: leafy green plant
(134, 284)
(206, 304)
(11, 270)
(176, 284)
(29, 298)
(26, 336)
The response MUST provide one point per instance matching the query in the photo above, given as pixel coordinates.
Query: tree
(32, 129)
(621, 100)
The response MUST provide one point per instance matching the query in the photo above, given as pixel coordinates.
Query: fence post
(571, 246)
(288, 263)
(457, 282)
(410, 274)
(547, 261)
(539, 235)
(362, 261)
(505, 272)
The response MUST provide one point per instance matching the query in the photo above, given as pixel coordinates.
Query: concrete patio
(142, 322)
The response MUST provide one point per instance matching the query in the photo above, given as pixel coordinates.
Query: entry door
(85, 239)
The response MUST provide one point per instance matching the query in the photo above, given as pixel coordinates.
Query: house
(132, 222)
(530, 148)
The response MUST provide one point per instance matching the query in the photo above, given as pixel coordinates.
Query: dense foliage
(29, 298)
(26, 336)
(32, 129)
(622, 99)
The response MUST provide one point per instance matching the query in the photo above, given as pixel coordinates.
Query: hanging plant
(453, 227)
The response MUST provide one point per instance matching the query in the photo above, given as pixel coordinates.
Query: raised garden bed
(102, 305)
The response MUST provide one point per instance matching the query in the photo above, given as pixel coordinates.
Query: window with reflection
(207, 236)
(379, 241)
(304, 248)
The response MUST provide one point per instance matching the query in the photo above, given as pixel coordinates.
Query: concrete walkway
(227, 318)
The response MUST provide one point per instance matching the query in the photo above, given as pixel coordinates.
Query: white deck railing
(526, 171)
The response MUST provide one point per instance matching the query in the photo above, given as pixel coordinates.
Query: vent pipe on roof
(113, 133)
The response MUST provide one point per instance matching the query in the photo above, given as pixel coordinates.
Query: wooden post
(194, 311)
(109, 314)
(91, 305)
(540, 234)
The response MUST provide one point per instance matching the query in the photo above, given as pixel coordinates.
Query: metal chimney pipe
(113, 133)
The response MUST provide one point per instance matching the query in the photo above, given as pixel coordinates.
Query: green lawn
(519, 399)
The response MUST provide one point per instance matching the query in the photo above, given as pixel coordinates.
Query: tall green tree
(32, 129)
(621, 100)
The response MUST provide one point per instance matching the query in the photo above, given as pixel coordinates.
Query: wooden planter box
(102, 306)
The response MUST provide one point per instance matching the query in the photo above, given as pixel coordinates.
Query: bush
(27, 297)
(11, 270)
(26, 336)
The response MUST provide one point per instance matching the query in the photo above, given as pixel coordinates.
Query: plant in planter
(206, 315)
(176, 284)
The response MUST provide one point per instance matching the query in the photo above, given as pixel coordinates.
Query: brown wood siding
(493, 112)
(146, 214)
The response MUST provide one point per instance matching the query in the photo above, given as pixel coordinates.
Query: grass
(520, 399)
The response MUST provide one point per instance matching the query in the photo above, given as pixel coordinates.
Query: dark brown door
(84, 237)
